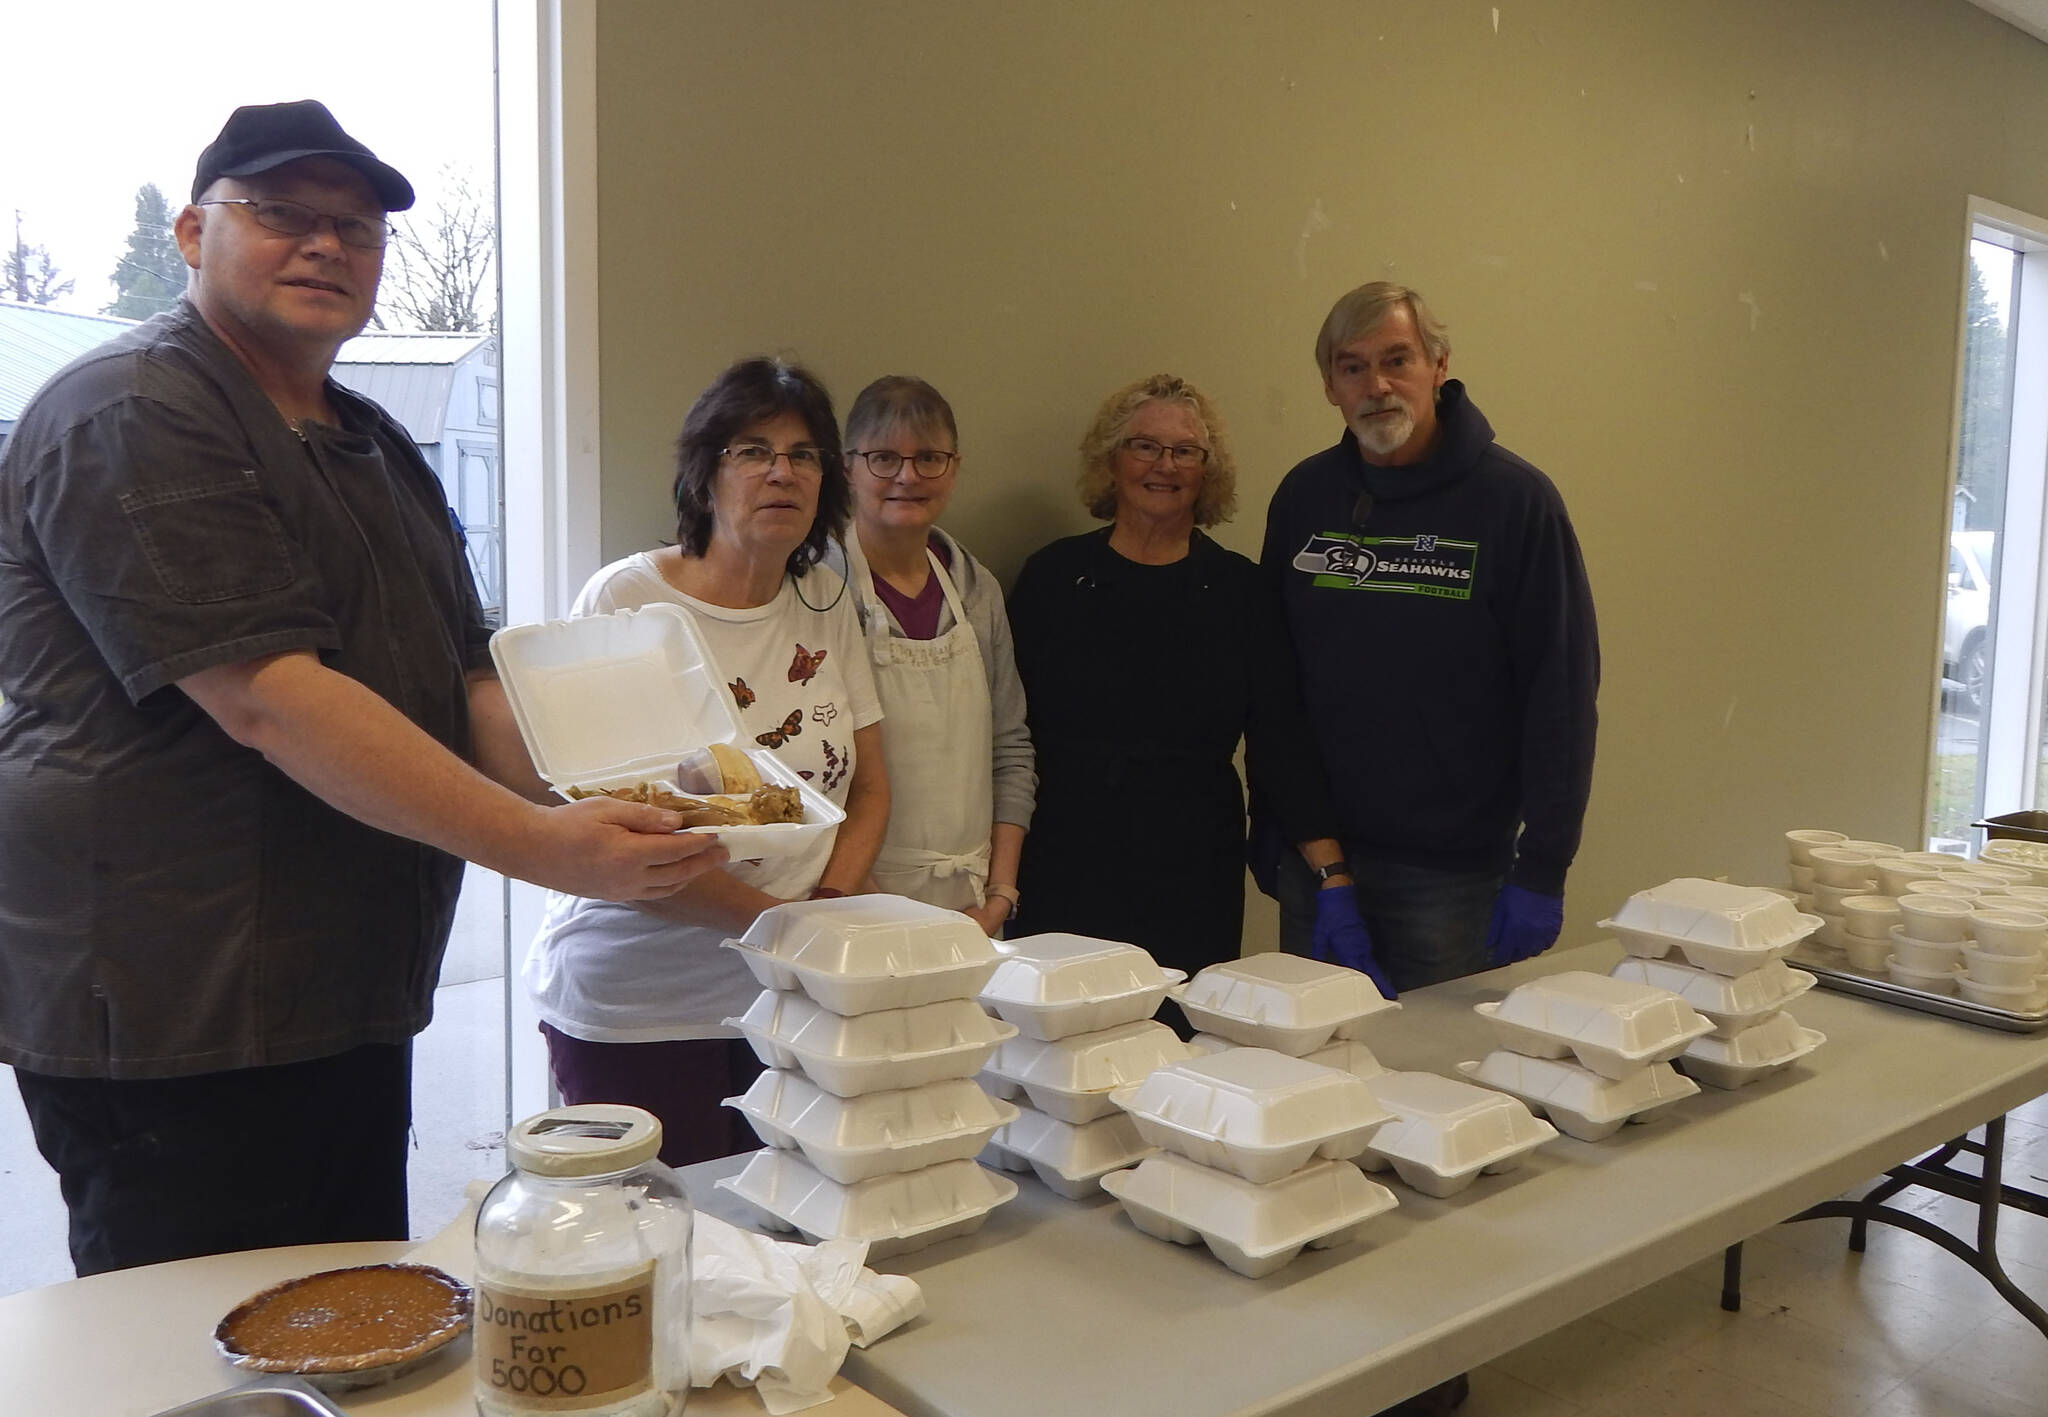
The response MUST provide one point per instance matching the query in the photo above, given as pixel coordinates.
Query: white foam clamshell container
(1578, 1100)
(1054, 986)
(1731, 1002)
(884, 1051)
(614, 700)
(877, 1134)
(1727, 929)
(1613, 1026)
(857, 954)
(1071, 1158)
(1255, 1229)
(1447, 1132)
(1345, 1054)
(1253, 1112)
(1284, 1002)
(1776, 1043)
(1071, 1078)
(894, 1214)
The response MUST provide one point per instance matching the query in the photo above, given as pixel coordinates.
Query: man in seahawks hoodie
(1444, 631)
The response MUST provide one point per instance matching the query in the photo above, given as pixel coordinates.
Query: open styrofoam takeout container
(1613, 1026)
(877, 1134)
(1288, 1003)
(1776, 1043)
(1054, 986)
(855, 954)
(1727, 929)
(1252, 1228)
(608, 701)
(1447, 1132)
(895, 1213)
(884, 1051)
(1253, 1112)
(1071, 1158)
(1071, 1078)
(1731, 1002)
(1576, 1099)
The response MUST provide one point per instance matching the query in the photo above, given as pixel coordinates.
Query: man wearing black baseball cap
(250, 734)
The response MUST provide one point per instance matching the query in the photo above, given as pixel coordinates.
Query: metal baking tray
(2015, 826)
(1844, 980)
(275, 1396)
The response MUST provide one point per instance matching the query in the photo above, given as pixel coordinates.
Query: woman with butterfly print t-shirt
(632, 997)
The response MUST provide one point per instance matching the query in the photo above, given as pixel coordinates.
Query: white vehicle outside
(1968, 617)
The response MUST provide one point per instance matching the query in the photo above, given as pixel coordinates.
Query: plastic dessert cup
(1613, 1026)
(895, 1214)
(2016, 998)
(1577, 1100)
(1895, 874)
(859, 954)
(1844, 866)
(1071, 1078)
(1253, 1112)
(1755, 1053)
(1055, 986)
(1730, 1002)
(1936, 917)
(874, 1052)
(1927, 981)
(2010, 932)
(1283, 1002)
(1831, 933)
(1728, 929)
(1253, 1229)
(1937, 955)
(852, 1139)
(1871, 916)
(1867, 956)
(1801, 841)
(2005, 971)
(1957, 890)
(1875, 848)
(1070, 1158)
(1447, 1133)
(1802, 879)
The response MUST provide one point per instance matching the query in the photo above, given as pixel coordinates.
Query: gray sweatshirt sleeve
(1016, 763)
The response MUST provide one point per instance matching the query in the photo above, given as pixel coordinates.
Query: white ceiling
(2029, 15)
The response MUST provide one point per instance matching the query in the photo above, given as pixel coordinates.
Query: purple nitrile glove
(1341, 937)
(1525, 924)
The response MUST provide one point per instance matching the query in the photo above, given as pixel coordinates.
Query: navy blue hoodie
(1448, 653)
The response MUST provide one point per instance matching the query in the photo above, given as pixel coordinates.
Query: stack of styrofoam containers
(872, 1036)
(1732, 941)
(1083, 1010)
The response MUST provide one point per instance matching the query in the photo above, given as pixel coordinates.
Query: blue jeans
(1426, 925)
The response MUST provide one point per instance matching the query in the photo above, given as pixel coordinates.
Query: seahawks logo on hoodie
(1405, 565)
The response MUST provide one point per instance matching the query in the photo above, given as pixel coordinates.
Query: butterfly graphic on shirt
(741, 694)
(791, 728)
(806, 664)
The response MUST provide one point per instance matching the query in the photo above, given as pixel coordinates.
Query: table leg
(1731, 1278)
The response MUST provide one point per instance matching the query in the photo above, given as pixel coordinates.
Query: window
(1991, 736)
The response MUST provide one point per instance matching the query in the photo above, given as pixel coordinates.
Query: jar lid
(589, 1139)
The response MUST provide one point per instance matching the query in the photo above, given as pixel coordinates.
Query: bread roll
(739, 777)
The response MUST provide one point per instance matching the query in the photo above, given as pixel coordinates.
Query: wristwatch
(1335, 868)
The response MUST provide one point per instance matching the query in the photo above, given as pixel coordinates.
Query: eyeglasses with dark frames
(886, 462)
(1184, 455)
(286, 218)
(757, 458)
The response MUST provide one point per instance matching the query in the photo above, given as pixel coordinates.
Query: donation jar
(583, 1271)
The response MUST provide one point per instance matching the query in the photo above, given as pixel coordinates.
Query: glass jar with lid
(583, 1271)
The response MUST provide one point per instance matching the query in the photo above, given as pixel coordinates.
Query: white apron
(938, 744)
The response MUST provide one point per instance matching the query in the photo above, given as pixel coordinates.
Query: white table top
(1063, 1306)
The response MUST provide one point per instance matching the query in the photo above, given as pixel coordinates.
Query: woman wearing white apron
(961, 771)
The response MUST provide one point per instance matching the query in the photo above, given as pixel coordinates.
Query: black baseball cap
(260, 136)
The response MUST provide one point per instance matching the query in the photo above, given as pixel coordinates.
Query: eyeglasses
(757, 458)
(1150, 450)
(297, 219)
(884, 462)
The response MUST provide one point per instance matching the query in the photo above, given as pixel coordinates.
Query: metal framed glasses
(885, 462)
(368, 233)
(1184, 455)
(756, 458)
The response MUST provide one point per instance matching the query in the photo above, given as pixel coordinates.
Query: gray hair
(1359, 312)
(1215, 503)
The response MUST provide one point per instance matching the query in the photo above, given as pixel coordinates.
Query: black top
(1448, 650)
(170, 903)
(1141, 681)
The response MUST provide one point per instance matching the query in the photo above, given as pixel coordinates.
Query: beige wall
(1702, 263)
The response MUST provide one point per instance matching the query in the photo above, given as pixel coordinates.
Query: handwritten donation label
(565, 1349)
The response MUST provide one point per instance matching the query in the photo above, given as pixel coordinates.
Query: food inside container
(632, 703)
(1776, 1043)
(1054, 986)
(1254, 1229)
(1071, 1078)
(1730, 1002)
(879, 1133)
(856, 954)
(1578, 1100)
(1728, 929)
(1071, 1158)
(2029, 855)
(895, 1213)
(883, 1051)
(1284, 1002)
(1613, 1026)
(1447, 1132)
(1253, 1112)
